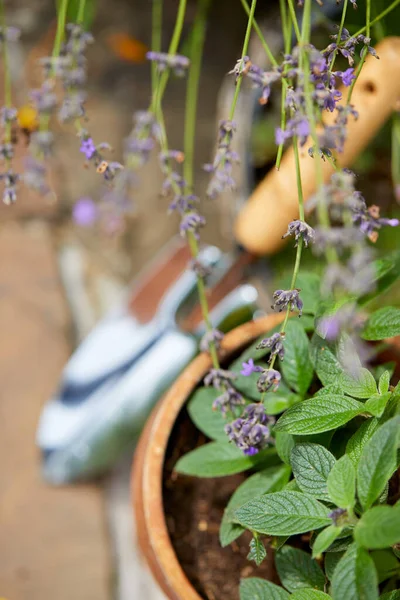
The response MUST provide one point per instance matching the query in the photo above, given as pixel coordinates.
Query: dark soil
(194, 509)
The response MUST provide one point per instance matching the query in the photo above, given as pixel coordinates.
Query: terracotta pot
(147, 472)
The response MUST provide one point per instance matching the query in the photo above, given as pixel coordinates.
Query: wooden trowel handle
(274, 203)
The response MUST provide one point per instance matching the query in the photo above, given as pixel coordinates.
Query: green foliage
(355, 577)
(297, 570)
(307, 594)
(377, 462)
(382, 324)
(270, 480)
(357, 441)
(377, 404)
(319, 414)
(379, 527)
(342, 483)
(255, 588)
(209, 421)
(384, 382)
(311, 464)
(362, 385)
(297, 368)
(284, 443)
(257, 551)
(330, 563)
(221, 458)
(283, 513)
(326, 364)
(325, 539)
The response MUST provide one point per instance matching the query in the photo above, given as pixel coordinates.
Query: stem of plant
(81, 12)
(258, 31)
(287, 34)
(7, 77)
(339, 37)
(156, 38)
(61, 20)
(364, 52)
(379, 17)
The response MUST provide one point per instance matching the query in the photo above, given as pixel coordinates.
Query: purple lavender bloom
(269, 380)
(222, 166)
(250, 433)
(262, 79)
(229, 400)
(43, 142)
(88, 148)
(44, 98)
(183, 203)
(341, 238)
(275, 342)
(219, 378)
(346, 76)
(215, 337)
(298, 127)
(241, 67)
(35, 176)
(192, 222)
(368, 219)
(178, 63)
(289, 298)
(8, 114)
(249, 368)
(300, 229)
(85, 212)
(337, 514)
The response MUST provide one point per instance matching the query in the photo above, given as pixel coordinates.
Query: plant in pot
(294, 438)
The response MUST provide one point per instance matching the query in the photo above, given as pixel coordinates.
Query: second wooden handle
(274, 203)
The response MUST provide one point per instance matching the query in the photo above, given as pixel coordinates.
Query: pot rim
(147, 472)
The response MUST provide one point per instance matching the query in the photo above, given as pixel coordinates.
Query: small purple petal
(85, 212)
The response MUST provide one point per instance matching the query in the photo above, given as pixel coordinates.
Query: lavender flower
(248, 368)
(9, 34)
(214, 337)
(44, 98)
(229, 400)
(275, 342)
(8, 114)
(192, 222)
(222, 166)
(219, 378)
(85, 212)
(250, 432)
(262, 79)
(341, 238)
(178, 63)
(6, 151)
(269, 380)
(241, 67)
(88, 148)
(289, 298)
(300, 229)
(368, 219)
(10, 180)
(42, 142)
(141, 140)
(338, 513)
(346, 76)
(298, 127)
(34, 176)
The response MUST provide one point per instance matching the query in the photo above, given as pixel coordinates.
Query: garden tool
(112, 380)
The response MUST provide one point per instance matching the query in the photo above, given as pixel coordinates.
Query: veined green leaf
(310, 595)
(386, 564)
(355, 577)
(379, 527)
(217, 459)
(377, 404)
(331, 561)
(326, 364)
(271, 479)
(342, 483)
(319, 414)
(255, 588)
(395, 595)
(362, 385)
(279, 401)
(257, 551)
(324, 539)
(382, 324)
(283, 513)
(377, 462)
(209, 421)
(358, 440)
(284, 442)
(297, 368)
(311, 464)
(384, 381)
(297, 570)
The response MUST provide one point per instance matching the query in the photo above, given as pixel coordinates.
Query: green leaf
(284, 442)
(283, 513)
(384, 382)
(395, 595)
(330, 563)
(209, 421)
(297, 368)
(342, 483)
(297, 570)
(382, 324)
(221, 458)
(358, 440)
(355, 576)
(379, 527)
(271, 479)
(257, 551)
(319, 414)
(377, 404)
(377, 462)
(386, 564)
(255, 588)
(310, 595)
(279, 401)
(387, 272)
(324, 539)
(363, 385)
(326, 364)
(311, 464)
